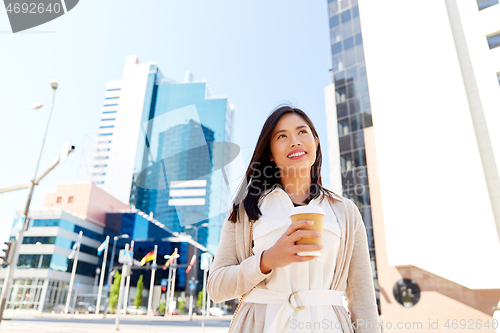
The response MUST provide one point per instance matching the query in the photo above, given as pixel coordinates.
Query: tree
(138, 295)
(161, 308)
(182, 304)
(115, 291)
(199, 303)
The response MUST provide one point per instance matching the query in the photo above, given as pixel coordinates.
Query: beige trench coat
(236, 271)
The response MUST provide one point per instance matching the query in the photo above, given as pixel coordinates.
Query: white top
(298, 276)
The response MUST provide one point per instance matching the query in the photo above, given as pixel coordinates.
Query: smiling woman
(276, 160)
(257, 259)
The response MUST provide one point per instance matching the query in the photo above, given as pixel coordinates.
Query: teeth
(296, 154)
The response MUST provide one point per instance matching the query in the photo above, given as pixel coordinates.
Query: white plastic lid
(307, 210)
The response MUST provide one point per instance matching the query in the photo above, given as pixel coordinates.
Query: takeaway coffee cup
(311, 213)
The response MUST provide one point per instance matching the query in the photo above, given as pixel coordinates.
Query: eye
(303, 131)
(279, 136)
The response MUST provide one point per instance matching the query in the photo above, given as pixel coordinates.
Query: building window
(34, 260)
(111, 97)
(494, 41)
(346, 162)
(70, 200)
(59, 200)
(482, 4)
(337, 48)
(334, 21)
(105, 134)
(107, 126)
(359, 158)
(114, 89)
(110, 104)
(109, 112)
(343, 127)
(348, 43)
(333, 8)
(41, 239)
(108, 119)
(346, 16)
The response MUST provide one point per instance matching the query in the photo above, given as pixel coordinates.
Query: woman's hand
(284, 252)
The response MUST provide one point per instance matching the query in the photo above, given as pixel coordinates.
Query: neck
(297, 188)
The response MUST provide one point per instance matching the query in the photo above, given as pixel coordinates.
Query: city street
(89, 323)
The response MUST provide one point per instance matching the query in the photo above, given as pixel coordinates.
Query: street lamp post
(20, 236)
(97, 272)
(112, 259)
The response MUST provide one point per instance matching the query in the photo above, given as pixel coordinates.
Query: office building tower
(428, 75)
(349, 112)
(119, 128)
(170, 135)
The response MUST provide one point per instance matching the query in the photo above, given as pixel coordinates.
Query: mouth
(297, 155)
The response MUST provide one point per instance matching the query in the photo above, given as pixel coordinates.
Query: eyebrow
(298, 127)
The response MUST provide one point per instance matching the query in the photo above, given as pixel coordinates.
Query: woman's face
(293, 146)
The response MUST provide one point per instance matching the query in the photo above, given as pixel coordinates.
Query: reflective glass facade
(179, 125)
(353, 109)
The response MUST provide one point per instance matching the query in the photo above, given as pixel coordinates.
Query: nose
(295, 142)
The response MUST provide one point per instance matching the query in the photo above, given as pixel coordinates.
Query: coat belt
(295, 301)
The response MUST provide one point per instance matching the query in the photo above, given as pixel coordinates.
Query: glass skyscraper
(175, 174)
(352, 101)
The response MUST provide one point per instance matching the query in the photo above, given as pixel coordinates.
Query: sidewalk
(50, 323)
(19, 314)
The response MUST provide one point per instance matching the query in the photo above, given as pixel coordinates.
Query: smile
(296, 155)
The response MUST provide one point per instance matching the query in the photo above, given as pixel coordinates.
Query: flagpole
(103, 270)
(172, 286)
(73, 272)
(169, 281)
(152, 284)
(167, 298)
(125, 272)
(127, 283)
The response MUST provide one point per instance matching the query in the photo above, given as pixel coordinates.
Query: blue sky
(257, 53)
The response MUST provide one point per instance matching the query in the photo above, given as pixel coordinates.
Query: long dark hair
(257, 181)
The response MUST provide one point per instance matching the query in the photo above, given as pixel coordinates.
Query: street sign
(163, 282)
(126, 257)
(192, 285)
(106, 286)
(205, 259)
(77, 284)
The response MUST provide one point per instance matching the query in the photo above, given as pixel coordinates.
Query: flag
(191, 263)
(102, 247)
(148, 257)
(76, 246)
(173, 256)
